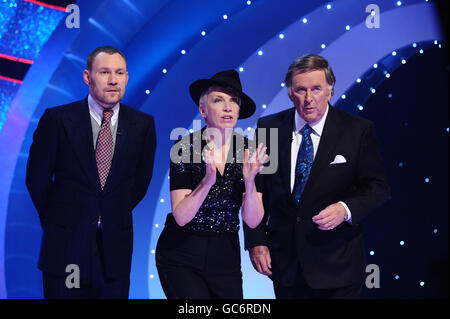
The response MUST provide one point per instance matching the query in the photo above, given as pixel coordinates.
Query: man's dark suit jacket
(63, 182)
(333, 258)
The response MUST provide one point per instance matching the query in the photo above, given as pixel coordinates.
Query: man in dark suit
(330, 176)
(90, 164)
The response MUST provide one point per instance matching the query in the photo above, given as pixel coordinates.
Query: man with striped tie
(90, 164)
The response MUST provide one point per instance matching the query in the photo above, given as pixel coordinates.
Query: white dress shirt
(317, 129)
(96, 111)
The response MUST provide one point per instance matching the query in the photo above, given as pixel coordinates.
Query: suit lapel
(79, 131)
(285, 134)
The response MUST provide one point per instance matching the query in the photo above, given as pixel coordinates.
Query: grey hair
(215, 87)
(307, 63)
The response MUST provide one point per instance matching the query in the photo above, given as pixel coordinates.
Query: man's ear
(330, 94)
(290, 95)
(86, 77)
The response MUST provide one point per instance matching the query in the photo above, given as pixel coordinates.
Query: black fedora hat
(228, 78)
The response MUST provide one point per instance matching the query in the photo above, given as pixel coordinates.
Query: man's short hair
(105, 49)
(307, 63)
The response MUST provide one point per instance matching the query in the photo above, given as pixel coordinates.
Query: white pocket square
(339, 159)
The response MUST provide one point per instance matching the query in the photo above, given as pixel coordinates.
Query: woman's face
(220, 109)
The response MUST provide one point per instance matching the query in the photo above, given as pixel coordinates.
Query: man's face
(107, 79)
(310, 94)
(221, 109)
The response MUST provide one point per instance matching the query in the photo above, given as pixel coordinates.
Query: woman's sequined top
(219, 212)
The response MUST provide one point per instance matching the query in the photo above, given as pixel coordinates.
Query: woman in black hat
(212, 175)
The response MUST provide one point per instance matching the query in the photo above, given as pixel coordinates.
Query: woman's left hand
(255, 164)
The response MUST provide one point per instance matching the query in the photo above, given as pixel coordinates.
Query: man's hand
(330, 217)
(260, 257)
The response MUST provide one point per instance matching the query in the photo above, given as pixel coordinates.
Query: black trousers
(97, 287)
(199, 266)
(301, 290)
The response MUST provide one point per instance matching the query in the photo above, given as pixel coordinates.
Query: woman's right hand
(210, 175)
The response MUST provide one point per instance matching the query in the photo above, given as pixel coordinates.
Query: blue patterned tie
(304, 163)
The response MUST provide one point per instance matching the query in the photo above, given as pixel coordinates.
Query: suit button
(298, 219)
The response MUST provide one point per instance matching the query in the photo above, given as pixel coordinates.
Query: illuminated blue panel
(26, 27)
(7, 92)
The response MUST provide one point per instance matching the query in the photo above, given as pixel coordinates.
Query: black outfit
(63, 182)
(325, 260)
(202, 258)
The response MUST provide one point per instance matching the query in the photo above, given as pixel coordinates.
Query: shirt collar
(96, 111)
(317, 126)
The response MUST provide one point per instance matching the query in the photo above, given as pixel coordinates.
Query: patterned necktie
(104, 148)
(304, 163)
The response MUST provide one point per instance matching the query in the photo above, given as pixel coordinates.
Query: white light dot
(249, 128)
(203, 33)
(249, 2)
(281, 36)
(372, 253)
(427, 180)
(283, 85)
(162, 200)
(403, 61)
(191, 131)
(360, 107)
(183, 51)
(394, 53)
(414, 45)
(435, 230)
(435, 41)
(420, 51)
(328, 6)
(147, 91)
(373, 12)
(358, 80)
(397, 277)
(388, 75)
(164, 71)
(422, 284)
(343, 96)
(399, 3)
(347, 27)
(402, 243)
(264, 106)
(375, 66)
(153, 251)
(225, 17)
(152, 276)
(390, 95)
(439, 46)
(323, 46)
(156, 225)
(305, 20)
(260, 52)
(372, 90)
(241, 69)
(447, 129)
